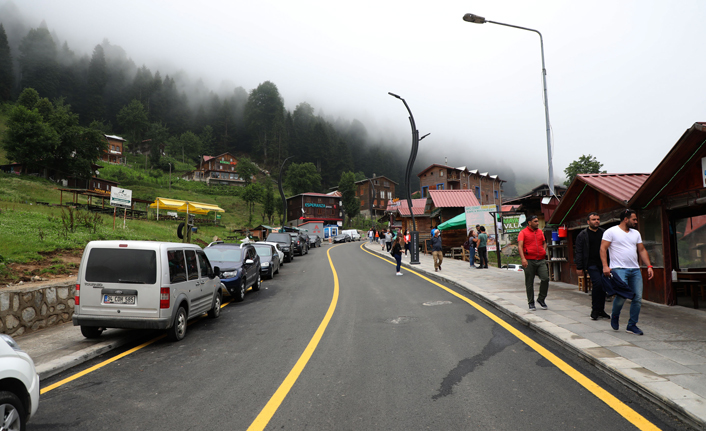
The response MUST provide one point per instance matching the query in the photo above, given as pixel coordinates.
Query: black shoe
(603, 314)
(542, 304)
(532, 307)
(594, 315)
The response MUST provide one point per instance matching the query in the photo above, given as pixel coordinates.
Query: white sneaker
(399, 273)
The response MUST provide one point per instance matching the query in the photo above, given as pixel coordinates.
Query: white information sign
(121, 198)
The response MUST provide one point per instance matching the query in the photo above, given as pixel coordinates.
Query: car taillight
(164, 297)
(77, 296)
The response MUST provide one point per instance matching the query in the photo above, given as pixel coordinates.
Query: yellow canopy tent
(184, 206)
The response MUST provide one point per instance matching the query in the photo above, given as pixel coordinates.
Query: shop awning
(185, 206)
(458, 222)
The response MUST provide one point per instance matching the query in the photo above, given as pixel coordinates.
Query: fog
(623, 77)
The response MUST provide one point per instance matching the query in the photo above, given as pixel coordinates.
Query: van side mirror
(216, 272)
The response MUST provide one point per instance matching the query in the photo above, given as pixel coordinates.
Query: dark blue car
(239, 265)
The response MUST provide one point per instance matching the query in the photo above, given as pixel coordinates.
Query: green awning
(458, 222)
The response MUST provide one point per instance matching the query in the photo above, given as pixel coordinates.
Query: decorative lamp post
(372, 206)
(475, 19)
(414, 247)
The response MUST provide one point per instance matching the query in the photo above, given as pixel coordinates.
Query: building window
(389, 195)
(478, 192)
(441, 173)
(440, 186)
(376, 182)
(496, 194)
(386, 184)
(425, 191)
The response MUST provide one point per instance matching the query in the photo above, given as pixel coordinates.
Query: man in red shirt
(533, 252)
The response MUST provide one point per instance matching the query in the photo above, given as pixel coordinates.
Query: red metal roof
(509, 208)
(417, 204)
(620, 187)
(453, 198)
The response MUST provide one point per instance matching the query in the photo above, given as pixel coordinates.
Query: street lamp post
(372, 205)
(170, 177)
(414, 248)
(475, 19)
(281, 193)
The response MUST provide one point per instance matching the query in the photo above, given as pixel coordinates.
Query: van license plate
(118, 299)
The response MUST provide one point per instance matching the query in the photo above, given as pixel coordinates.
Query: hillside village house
(218, 170)
(384, 189)
(114, 152)
(487, 188)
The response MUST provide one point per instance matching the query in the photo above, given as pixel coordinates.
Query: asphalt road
(396, 353)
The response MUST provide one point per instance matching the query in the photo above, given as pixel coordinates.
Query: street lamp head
(469, 17)
(394, 95)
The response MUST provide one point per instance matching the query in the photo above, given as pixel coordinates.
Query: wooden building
(307, 207)
(487, 188)
(218, 170)
(374, 194)
(114, 151)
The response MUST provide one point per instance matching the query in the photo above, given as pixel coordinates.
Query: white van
(144, 285)
(353, 233)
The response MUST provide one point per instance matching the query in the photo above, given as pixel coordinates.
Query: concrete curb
(56, 366)
(575, 344)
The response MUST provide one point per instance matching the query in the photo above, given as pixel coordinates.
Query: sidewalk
(666, 365)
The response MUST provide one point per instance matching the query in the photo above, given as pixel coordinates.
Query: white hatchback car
(19, 385)
(277, 247)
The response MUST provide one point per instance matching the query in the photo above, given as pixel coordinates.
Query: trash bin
(194, 229)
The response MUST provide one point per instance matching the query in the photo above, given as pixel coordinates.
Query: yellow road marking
(108, 361)
(631, 415)
(273, 404)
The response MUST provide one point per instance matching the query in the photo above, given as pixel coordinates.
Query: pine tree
(96, 82)
(7, 77)
(38, 63)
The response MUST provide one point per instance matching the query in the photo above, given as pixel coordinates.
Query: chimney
(373, 174)
(446, 161)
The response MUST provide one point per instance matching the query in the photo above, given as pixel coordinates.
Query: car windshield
(278, 237)
(263, 250)
(223, 254)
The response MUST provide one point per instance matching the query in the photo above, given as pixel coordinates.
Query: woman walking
(388, 239)
(470, 245)
(397, 253)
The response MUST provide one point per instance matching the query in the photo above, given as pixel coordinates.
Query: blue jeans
(472, 256)
(398, 258)
(633, 277)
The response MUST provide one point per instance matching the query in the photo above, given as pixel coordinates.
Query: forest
(109, 92)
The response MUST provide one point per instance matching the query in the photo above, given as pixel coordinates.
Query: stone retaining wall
(28, 309)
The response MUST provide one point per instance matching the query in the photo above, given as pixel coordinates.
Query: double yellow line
(631, 415)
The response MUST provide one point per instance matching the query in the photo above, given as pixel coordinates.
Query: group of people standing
(477, 240)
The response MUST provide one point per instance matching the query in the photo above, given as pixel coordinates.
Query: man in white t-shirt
(625, 244)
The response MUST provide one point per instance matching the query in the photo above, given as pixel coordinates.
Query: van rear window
(112, 265)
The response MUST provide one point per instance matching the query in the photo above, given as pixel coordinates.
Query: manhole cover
(433, 303)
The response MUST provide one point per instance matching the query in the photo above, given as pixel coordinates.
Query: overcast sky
(624, 78)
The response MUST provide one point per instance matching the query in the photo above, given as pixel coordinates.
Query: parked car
(348, 237)
(340, 238)
(314, 240)
(353, 233)
(239, 265)
(269, 259)
(278, 248)
(284, 239)
(19, 385)
(513, 267)
(144, 285)
(300, 246)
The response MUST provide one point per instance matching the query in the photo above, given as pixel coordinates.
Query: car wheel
(13, 412)
(216, 310)
(240, 293)
(270, 273)
(90, 332)
(178, 330)
(258, 283)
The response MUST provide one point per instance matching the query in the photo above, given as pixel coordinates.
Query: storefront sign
(511, 224)
(313, 205)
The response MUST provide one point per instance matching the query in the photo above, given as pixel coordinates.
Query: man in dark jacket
(437, 250)
(588, 260)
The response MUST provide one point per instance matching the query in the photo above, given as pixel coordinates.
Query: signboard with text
(513, 224)
(121, 198)
(481, 215)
